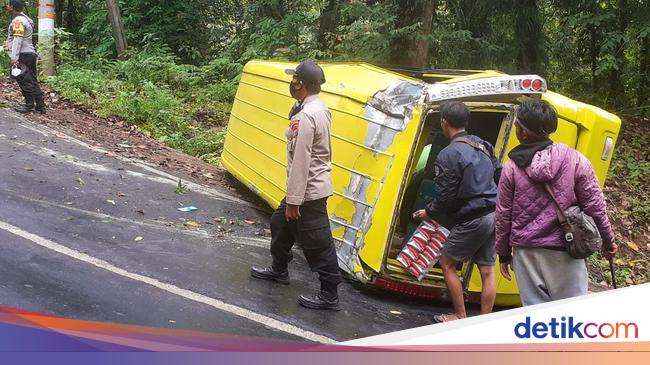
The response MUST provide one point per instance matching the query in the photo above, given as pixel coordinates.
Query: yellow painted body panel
(255, 153)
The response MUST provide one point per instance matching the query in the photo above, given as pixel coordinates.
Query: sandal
(442, 318)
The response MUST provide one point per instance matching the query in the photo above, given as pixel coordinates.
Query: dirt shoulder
(120, 138)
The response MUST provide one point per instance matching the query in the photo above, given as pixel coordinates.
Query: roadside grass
(183, 106)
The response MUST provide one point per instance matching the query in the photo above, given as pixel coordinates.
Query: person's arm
(447, 180)
(503, 215)
(592, 200)
(18, 29)
(495, 163)
(299, 171)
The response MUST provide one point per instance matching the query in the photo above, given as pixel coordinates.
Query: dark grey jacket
(465, 181)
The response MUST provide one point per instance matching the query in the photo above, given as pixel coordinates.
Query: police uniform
(308, 186)
(21, 49)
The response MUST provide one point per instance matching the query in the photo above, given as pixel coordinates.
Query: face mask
(292, 89)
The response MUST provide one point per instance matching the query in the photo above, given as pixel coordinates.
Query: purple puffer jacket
(525, 216)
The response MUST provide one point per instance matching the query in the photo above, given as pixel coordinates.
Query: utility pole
(118, 28)
(46, 16)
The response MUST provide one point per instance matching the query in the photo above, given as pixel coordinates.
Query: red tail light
(408, 289)
(537, 84)
(526, 83)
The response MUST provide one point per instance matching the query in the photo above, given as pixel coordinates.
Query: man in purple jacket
(526, 220)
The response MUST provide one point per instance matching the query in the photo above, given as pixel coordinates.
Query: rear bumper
(422, 291)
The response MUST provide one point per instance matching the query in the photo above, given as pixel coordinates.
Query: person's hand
(421, 215)
(610, 252)
(505, 268)
(292, 212)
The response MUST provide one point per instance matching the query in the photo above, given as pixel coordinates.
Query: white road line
(239, 240)
(163, 176)
(187, 294)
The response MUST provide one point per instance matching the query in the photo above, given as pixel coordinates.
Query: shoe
(318, 301)
(25, 108)
(40, 106)
(267, 273)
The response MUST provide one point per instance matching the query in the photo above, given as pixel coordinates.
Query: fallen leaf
(192, 224)
(29, 169)
(249, 221)
(81, 181)
(138, 238)
(110, 201)
(140, 211)
(633, 246)
(121, 194)
(395, 312)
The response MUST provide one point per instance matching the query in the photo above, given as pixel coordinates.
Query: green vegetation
(179, 77)
(183, 106)
(181, 188)
(631, 166)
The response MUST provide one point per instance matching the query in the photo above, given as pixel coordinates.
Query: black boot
(268, 273)
(28, 107)
(40, 105)
(322, 300)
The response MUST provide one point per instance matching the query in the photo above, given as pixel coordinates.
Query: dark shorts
(472, 239)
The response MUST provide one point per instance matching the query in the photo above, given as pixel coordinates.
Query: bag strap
(560, 214)
(558, 209)
(478, 146)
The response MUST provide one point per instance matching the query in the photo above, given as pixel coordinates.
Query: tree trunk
(529, 36)
(59, 12)
(616, 90)
(422, 43)
(644, 75)
(71, 22)
(594, 50)
(46, 24)
(328, 22)
(115, 18)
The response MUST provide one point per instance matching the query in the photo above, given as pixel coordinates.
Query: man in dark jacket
(466, 174)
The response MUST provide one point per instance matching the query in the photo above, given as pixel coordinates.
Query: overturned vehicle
(385, 132)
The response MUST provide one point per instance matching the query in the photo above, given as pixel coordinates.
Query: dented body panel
(377, 121)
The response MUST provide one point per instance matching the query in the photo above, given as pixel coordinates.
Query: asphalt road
(88, 235)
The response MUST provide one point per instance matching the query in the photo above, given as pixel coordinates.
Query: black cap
(308, 71)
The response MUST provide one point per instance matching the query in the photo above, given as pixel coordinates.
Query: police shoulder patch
(437, 170)
(18, 28)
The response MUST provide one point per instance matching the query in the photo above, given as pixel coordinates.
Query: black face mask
(292, 89)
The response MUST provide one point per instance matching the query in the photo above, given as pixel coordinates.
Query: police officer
(466, 174)
(23, 56)
(302, 215)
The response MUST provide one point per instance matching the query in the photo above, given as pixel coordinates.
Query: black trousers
(28, 79)
(312, 232)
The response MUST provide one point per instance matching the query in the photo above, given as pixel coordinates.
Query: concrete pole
(118, 28)
(46, 16)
